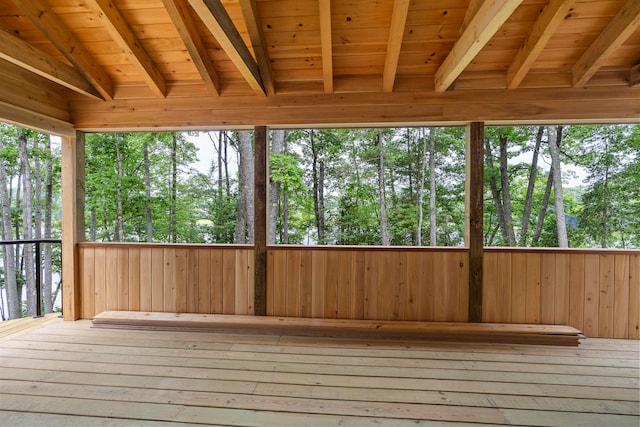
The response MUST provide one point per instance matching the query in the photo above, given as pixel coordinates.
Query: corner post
(474, 215)
(260, 221)
(73, 179)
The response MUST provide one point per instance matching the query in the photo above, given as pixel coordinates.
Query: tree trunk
(9, 259)
(93, 224)
(147, 192)
(244, 216)
(420, 191)
(533, 172)
(505, 192)
(495, 192)
(317, 170)
(384, 229)
(555, 137)
(27, 225)
(173, 232)
(277, 147)
(119, 225)
(48, 202)
(432, 188)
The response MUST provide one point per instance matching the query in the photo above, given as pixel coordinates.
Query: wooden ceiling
(202, 64)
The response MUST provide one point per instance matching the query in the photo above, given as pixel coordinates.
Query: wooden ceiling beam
(482, 27)
(326, 44)
(614, 35)
(258, 43)
(22, 54)
(472, 9)
(181, 16)
(217, 20)
(116, 26)
(57, 32)
(550, 18)
(11, 113)
(396, 33)
(634, 76)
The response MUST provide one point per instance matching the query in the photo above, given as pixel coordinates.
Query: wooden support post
(260, 221)
(474, 215)
(72, 221)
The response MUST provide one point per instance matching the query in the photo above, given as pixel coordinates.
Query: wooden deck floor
(65, 373)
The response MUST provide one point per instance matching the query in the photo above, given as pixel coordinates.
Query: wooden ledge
(364, 329)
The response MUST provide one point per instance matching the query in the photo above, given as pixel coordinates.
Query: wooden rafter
(121, 33)
(396, 32)
(254, 27)
(634, 76)
(544, 27)
(614, 35)
(22, 54)
(56, 31)
(472, 9)
(326, 44)
(179, 12)
(485, 23)
(217, 20)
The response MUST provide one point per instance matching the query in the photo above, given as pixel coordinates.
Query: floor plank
(66, 373)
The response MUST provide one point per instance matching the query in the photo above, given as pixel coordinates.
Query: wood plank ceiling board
(67, 43)
(484, 24)
(326, 43)
(254, 27)
(217, 20)
(396, 32)
(116, 26)
(20, 53)
(550, 18)
(614, 35)
(181, 16)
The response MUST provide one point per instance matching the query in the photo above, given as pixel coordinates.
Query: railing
(596, 291)
(38, 278)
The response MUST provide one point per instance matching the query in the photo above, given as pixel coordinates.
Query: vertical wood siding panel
(357, 299)
(145, 279)
(217, 282)
(123, 278)
(250, 264)
(344, 285)
(306, 287)
(371, 286)
(182, 283)
(415, 280)
(503, 297)
(280, 283)
(318, 282)
(429, 287)
(87, 277)
(228, 282)
(532, 304)
(463, 284)
(271, 254)
(605, 304)
(489, 287)
(634, 297)
(242, 292)
(157, 279)
(591, 294)
(621, 297)
(561, 298)
(100, 280)
(134, 278)
(547, 287)
(292, 284)
(518, 287)
(331, 287)
(204, 281)
(192, 281)
(439, 287)
(111, 278)
(576, 291)
(169, 277)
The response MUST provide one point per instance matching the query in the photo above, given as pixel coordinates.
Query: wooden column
(260, 221)
(474, 215)
(72, 221)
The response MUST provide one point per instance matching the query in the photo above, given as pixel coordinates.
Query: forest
(545, 186)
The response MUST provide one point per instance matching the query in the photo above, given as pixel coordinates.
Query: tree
(244, 223)
(555, 136)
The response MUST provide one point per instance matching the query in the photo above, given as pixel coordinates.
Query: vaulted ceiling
(201, 64)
